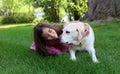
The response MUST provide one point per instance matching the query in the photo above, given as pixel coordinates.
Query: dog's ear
(80, 34)
(86, 29)
(83, 33)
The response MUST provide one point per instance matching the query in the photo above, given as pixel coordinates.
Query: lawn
(17, 58)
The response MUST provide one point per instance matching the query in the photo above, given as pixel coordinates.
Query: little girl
(46, 39)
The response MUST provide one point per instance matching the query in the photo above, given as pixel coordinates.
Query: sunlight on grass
(16, 25)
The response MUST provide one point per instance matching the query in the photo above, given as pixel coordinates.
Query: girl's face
(49, 33)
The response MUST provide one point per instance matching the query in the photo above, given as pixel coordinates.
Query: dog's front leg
(72, 54)
(91, 51)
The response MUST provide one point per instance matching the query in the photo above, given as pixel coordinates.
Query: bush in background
(7, 20)
(18, 18)
(24, 18)
(39, 20)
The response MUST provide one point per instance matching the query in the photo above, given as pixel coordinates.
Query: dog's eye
(67, 32)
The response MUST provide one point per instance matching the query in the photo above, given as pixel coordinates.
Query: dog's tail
(67, 19)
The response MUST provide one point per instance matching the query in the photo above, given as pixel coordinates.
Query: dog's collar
(80, 44)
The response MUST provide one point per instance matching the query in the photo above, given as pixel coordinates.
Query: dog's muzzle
(68, 43)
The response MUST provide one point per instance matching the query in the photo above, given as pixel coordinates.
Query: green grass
(17, 58)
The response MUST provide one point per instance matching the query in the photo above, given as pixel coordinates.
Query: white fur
(87, 42)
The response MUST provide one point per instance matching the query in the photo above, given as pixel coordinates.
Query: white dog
(74, 34)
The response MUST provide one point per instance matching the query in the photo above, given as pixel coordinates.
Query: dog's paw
(73, 58)
(95, 61)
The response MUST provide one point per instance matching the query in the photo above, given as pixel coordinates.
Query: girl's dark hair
(40, 42)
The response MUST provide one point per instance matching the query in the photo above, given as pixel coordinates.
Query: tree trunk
(53, 12)
(102, 9)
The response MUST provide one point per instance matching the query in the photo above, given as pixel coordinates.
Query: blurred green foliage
(16, 11)
(53, 8)
(18, 18)
(22, 11)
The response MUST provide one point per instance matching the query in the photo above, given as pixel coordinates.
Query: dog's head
(73, 32)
